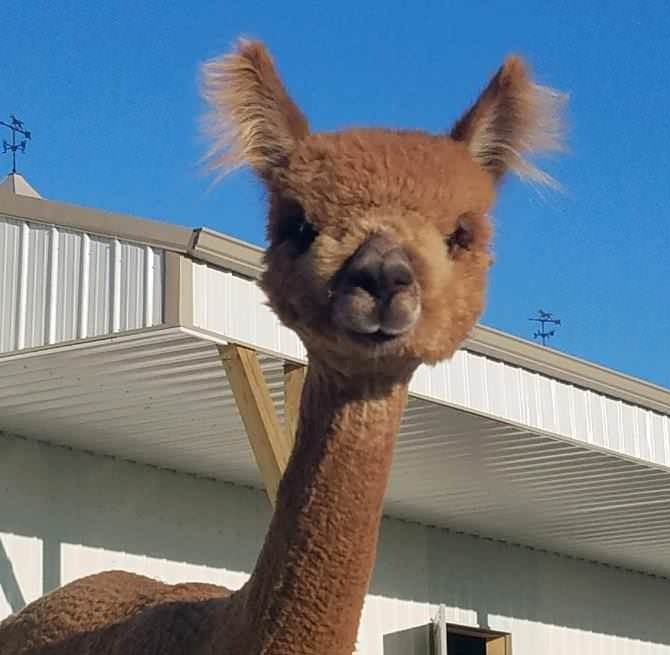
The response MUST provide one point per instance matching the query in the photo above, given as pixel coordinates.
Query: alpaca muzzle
(375, 293)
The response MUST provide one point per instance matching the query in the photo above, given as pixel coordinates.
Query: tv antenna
(544, 319)
(17, 127)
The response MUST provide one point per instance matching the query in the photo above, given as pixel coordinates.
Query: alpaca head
(378, 239)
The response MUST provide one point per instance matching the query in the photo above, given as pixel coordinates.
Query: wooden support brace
(294, 379)
(269, 440)
(499, 645)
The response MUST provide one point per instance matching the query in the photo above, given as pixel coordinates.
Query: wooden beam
(499, 646)
(294, 379)
(269, 440)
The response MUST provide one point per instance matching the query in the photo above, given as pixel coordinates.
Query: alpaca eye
(460, 238)
(297, 229)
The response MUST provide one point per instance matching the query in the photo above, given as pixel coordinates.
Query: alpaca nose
(380, 267)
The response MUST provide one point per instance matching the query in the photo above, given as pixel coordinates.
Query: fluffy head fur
(330, 193)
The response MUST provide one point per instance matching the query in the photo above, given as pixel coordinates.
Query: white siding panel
(226, 304)
(477, 382)
(660, 436)
(157, 288)
(496, 382)
(10, 232)
(69, 270)
(34, 277)
(142, 519)
(99, 282)
(234, 308)
(459, 383)
(132, 284)
(57, 285)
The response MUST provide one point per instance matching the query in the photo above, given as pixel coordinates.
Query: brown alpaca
(378, 257)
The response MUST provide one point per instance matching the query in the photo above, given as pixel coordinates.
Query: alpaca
(378, 257)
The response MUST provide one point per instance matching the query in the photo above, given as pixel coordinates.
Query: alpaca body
(378, 259)
(116, 613)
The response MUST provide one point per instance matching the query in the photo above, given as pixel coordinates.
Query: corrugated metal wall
(468, 380)
(177, 527)
(57, 285)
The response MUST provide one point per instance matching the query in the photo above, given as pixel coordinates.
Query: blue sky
(110, 92)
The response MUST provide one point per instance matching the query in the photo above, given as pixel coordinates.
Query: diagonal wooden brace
(270, 441)
(294, 379)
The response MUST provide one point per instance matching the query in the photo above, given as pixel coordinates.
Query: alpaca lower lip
(378, 337)
(382, 337)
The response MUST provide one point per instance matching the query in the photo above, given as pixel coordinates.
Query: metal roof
(224, 252)
(160, 396)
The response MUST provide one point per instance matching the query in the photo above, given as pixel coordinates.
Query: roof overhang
(160, 396)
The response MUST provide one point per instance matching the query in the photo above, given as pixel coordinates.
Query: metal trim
(224, 251)
(93, 221)
(178, 290)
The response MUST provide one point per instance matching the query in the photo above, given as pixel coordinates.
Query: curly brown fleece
(428, 194)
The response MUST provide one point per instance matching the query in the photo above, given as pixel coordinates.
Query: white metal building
(529, 502)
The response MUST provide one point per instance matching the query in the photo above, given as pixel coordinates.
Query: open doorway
(458, 644)
(468, 641)
(460, 640)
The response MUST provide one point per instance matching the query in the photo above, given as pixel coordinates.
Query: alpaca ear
(512, 117)
(252, 119)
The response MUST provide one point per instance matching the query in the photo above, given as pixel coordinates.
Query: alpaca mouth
(370, 322)
(375, 338)
(371, 330)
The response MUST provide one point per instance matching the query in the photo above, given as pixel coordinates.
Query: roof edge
(567, 368)
(120, 226)
(226, 252)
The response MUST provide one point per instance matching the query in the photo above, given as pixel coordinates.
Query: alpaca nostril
(397, 275)
(365, 279)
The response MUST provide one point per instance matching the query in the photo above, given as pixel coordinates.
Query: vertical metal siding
(52, 291)
(235, 307)
(9, 256)
(57, 285)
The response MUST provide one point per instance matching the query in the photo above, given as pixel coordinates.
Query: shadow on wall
(66, 497)
(8, 582)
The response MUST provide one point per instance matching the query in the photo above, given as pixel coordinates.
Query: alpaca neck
(307, 590)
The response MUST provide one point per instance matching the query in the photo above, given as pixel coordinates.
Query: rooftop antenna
(17, 127)
(544, 318)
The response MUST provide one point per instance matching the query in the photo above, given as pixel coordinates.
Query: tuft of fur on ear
(251, 120)
(513, 116)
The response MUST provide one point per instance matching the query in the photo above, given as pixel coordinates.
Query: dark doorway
(458, 644)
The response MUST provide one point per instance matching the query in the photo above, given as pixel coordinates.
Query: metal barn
(529, 504)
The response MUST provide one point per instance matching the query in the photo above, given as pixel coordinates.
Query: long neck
(307, 590)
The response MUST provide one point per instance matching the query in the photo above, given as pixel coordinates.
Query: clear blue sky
(109, 90)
